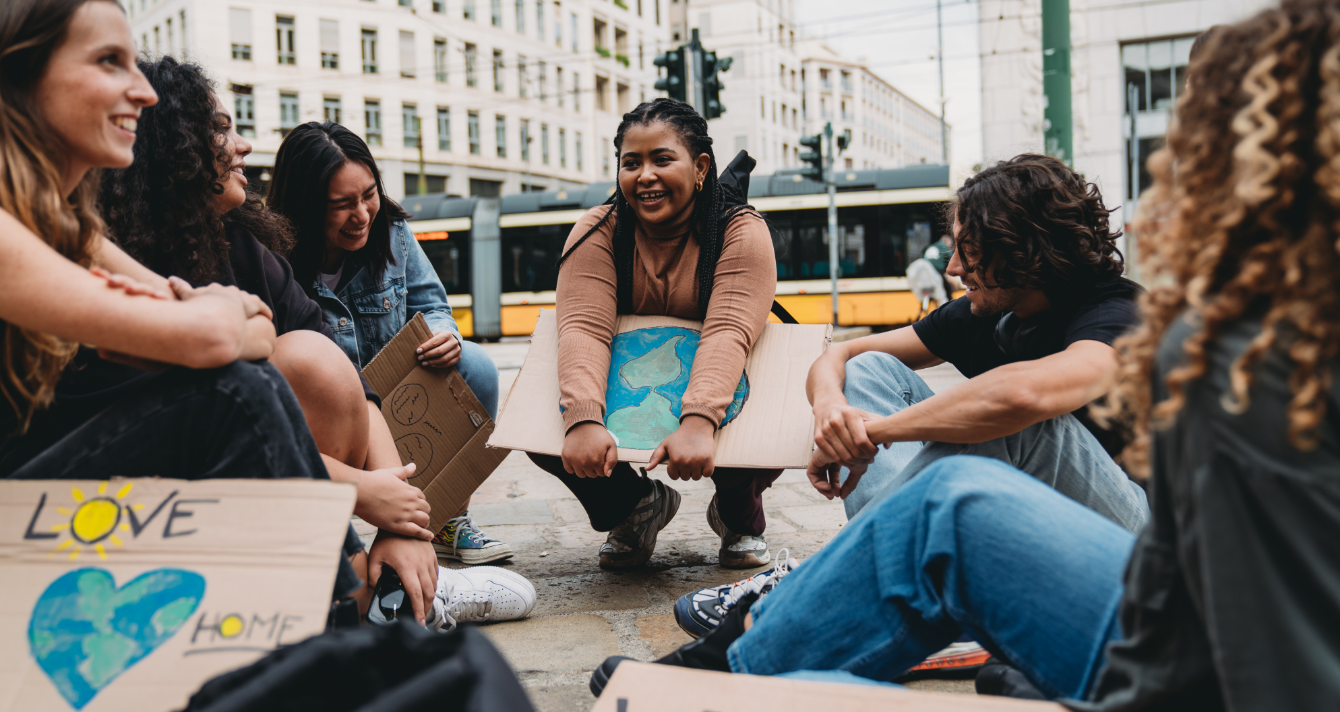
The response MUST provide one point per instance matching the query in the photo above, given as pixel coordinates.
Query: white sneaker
(738, 551)
(481, 594)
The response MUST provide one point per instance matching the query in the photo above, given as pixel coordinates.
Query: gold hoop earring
(699, 189)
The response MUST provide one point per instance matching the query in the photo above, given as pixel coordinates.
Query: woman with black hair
(357, 258)
(672, 241)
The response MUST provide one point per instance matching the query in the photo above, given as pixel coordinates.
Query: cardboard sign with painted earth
(649, 371)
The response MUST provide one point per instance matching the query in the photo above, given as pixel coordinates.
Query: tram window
(851, 250)
(918, 237)
(449, 263)
(529, 256)
(782, 237)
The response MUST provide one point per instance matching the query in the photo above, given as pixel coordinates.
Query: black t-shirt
(1101, 312)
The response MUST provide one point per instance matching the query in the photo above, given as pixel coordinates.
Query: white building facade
(503, 95)
(888, 129)
(1119, 50)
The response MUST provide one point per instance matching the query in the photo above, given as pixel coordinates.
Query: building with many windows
(888, 129)
(780, 88)
(1128, 66)
(491, 96)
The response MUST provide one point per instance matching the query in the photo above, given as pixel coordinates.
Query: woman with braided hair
(671, 241)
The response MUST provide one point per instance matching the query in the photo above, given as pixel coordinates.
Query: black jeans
(609, 500)
(241, 420)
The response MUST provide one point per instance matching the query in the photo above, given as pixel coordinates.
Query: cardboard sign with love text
(129, 594)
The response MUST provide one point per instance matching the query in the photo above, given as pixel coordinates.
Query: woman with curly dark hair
(1227, 600)
(188, 176)
(672, 240)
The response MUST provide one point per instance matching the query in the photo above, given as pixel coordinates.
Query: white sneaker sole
(473, 557)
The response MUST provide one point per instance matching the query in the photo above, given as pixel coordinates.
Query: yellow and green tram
(496, 256)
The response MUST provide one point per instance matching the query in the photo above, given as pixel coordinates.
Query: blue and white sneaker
(462, 541)
(700, 612)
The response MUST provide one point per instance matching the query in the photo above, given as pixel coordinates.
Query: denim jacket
(367, 313)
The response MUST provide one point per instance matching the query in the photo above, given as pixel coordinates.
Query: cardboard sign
(437, 422)
(643, 687)
(130, 594)
(769, 423)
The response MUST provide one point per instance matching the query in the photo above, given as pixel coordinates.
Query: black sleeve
(945, 330)
(294, 310)
(1103, 322)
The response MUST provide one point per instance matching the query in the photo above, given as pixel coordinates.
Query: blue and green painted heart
(85, 631)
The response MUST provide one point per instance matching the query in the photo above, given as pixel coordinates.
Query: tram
(496, 256)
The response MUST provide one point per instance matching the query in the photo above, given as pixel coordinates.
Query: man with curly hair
(1044, 301)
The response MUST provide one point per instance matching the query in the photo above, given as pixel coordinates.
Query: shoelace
(760, 583)
(465, 526)
(474, 605)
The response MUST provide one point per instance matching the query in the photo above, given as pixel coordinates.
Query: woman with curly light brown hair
(1228, 597)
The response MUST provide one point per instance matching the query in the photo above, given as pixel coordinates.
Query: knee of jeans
(958, 476)
(481, 374)
(877, 365)
(258, 382)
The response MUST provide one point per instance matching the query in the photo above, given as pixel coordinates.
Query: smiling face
(232, 164)
(91, 92)
(985, 300)
(658, 175)
(352, 203)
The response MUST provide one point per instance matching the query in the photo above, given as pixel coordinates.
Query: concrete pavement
(583, 613)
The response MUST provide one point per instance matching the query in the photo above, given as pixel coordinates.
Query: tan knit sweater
(665, 283)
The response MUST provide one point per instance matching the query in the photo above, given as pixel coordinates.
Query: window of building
(283, 39)
(184, 34)
(288, 111)
(244, 110)
(172, 37)
(434, 184)
(443, 128)
(541, 70)
(496, 7)
(562, 148)
(330, 44)
(577, 148)
(846, 82)
(472, 126)
(372, 119)
(572, 30)
(330, 109)
(525, 140)
(825, 79)
(468, 9)
(558, 25)
(558, 82)
(658, 12)
(369, 51)
(1155, 77)
(602, 93)
(440, 60)
(440, 6)
(239, 21)
(623, 98)
(497, 70)
(485, 188)
(522, 79)
(521, 17)
(471, 59)
(576, 92)
(407, 63)
(500, 135)
(406, 3)
(158, 40)
(410, 124)
(605, 163)
(539, 19)
(544, 144)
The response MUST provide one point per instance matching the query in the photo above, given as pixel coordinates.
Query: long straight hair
(307, 160)
(32, 189)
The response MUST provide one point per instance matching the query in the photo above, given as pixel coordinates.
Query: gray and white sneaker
(632, 543)
(700, 612)
(480, 594)
(738, 551)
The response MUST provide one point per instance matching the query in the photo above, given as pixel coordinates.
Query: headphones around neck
(1032, 338)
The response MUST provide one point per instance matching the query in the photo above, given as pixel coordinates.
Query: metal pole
(695, 77)
(940, 56)
(832, 217)
(1056, 102)
(1128, 212)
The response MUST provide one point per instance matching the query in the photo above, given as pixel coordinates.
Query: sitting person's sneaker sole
(461, 540)
(633, 542)
(738, 551)
(699, 612)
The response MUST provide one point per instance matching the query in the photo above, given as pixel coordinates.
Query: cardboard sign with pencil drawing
(437, 422)
(768, 424)
(130, 594)
(642, 687)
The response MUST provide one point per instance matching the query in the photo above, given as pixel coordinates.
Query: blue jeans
(970, 546)
(480, 374)
(1060, 452)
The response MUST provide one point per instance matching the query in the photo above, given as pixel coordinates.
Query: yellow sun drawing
(93, 521)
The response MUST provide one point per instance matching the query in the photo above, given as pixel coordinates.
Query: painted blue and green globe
(649, 371)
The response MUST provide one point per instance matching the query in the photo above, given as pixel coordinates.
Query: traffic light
(675, 81)
(712, 85)
(844, 140)
(814, 157)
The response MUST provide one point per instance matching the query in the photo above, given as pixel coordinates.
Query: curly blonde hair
(32, 190)
(1255, 227)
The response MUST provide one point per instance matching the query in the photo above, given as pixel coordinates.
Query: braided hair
(713, 210)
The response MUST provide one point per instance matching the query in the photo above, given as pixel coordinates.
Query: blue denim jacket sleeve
(426, 294)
